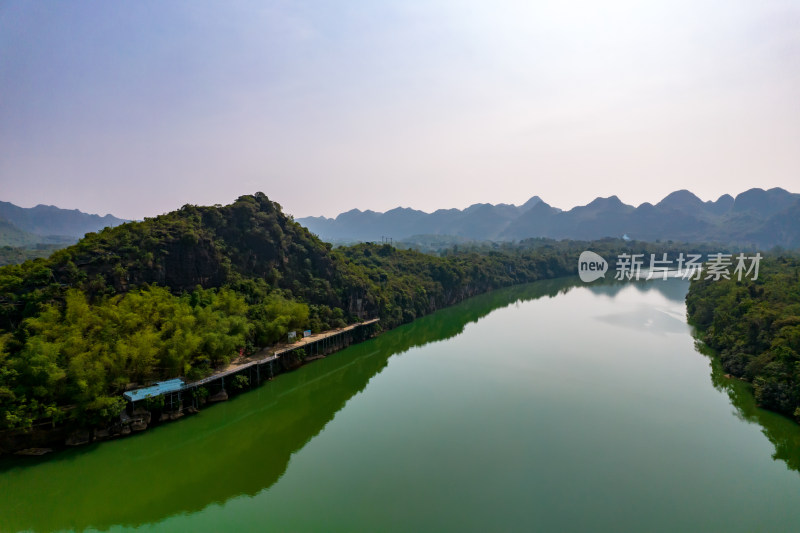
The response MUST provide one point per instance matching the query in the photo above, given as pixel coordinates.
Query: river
(553, 406)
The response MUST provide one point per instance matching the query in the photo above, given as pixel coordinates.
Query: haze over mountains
(48, 224)
(758, 218)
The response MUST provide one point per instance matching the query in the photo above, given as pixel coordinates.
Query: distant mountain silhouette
(48, 224)
(755, 218)
(10, 235)
(478, 221)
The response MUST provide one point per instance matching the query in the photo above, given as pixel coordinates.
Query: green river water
(551, 406)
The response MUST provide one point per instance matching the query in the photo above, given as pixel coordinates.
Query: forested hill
(182, 293)
(755, 328)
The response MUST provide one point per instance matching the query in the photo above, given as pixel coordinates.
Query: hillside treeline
(185, 292)
(754, 325)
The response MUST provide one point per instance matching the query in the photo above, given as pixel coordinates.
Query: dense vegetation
(183, 293)
(755, 328)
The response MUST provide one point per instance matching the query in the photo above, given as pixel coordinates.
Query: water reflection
(673, 290)
(237, 448)
(244, 446)
(781, 431)
(646, 318)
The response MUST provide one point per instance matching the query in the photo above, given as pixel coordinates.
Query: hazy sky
(136, 108)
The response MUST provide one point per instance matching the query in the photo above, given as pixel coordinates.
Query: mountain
(478, 221)
(250, 245)
(53, 223)
(765, 203)
(185, 292)
(757, 218)
(10, 235)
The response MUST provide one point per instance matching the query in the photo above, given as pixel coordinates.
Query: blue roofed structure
(160, 388)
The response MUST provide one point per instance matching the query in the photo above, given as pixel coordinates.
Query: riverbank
(244, 373)
(45, 435)
(754, 326)
(434, 298)
(489, 415)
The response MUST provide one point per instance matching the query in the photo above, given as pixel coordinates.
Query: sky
(137, 108)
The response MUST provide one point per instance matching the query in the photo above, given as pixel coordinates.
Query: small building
(170, 389)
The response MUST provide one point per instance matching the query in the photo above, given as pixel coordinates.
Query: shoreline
(282, 358)
(60, 438)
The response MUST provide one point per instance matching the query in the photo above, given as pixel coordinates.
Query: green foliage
(240, 382)
(755, 328)
(200, 393)
(275, 316)
(155, 403)
(85, 355)
(183, 293)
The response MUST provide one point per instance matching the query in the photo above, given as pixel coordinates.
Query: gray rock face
(78, 438)
(142, 414)
(221, 396)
